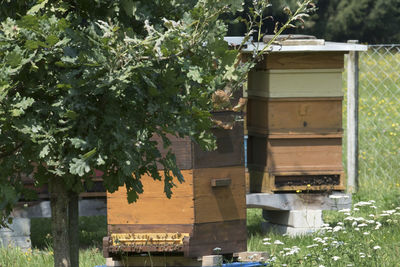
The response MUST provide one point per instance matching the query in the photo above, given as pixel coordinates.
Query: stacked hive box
(294, 122)
(207, 211)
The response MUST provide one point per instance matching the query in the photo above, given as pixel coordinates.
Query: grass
(366, 235)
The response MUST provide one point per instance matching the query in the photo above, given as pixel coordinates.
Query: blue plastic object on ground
(244, 264)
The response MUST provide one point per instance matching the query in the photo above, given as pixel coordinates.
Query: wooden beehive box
(294, 115)
(314, 74)
(295, 162)
(294, 122)
(205, 212)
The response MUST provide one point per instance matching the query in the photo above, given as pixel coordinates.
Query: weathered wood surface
(230, 236)
(302, 60)
(299, 201)
(294, 115)
(352, 120)
(295, 154)
(295, 83)
(153, 207)
(229, 149)
(181, 147)
(217, 204)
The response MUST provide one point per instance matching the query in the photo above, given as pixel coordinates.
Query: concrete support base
(293, 222)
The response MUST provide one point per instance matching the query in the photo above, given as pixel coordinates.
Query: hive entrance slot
(305, 180)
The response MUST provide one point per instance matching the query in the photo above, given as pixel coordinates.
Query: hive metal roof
(302, 45)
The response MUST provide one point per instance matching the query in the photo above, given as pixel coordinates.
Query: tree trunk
(73, 211)
(59, 200)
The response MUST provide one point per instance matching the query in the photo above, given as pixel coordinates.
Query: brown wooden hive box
(294, 115)
(207, 211)
(287, 162)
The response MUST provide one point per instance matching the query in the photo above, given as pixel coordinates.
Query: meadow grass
(366, 235)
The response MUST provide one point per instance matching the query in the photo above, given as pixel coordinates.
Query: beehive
(294, 122)
(207, 211)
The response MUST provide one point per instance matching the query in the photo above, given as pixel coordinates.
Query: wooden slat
(302, 60)
(230, 236)
(223, 203)
(299, 115)
(153, 207)
(150, 228)
(295, 83)
(157, 261)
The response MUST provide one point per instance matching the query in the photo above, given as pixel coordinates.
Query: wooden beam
(352, 120)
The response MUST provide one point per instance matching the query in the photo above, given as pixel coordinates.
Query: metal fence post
(352, 120)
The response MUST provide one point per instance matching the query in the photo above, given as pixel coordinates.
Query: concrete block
(251, 256)
(288, 230)
(292, 201)
(212, 260)
(19, 227)
(23, 242)
(295, 218)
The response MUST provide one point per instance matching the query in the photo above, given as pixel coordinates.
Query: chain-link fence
(379, 117)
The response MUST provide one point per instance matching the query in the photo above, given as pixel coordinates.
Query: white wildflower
(344, 210)
(366, 233)
(374, 207)
(354, 224)
(378, 225)
(357, 229)
(384, 214)
(321, 265)
(377, 247)
(340, 223)
(372, 215)
(362, 203)
(370, 221)
(362, 225)
(389, 211)
(325, 225)
(278, 242)
(267, 243)
(267, 239)
(313, 245)
(335, 258)
(337, 228)
(356, 209)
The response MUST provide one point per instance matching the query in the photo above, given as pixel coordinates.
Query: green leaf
(89, 154)
(79, 167)
(14, 59)
(52, 39)
(45, 151)
(31, 44)
(36, 8)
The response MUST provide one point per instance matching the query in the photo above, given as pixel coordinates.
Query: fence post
(352, 120)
